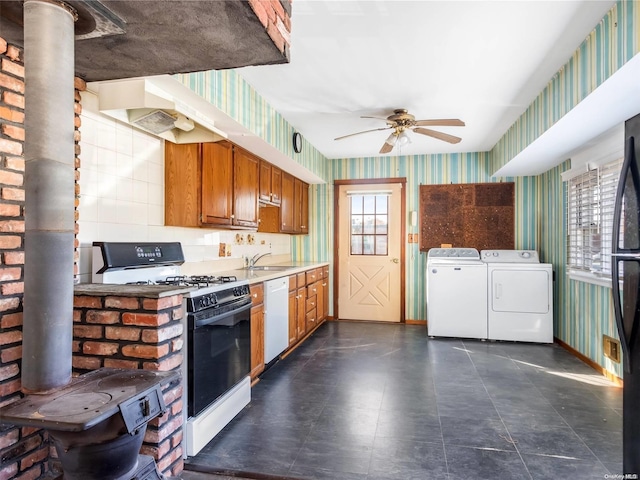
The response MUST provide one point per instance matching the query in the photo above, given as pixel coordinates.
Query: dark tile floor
(371, 401)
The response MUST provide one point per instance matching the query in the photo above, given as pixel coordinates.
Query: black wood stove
(97, 422)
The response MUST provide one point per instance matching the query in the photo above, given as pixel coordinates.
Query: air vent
(156, 122)
(611, 348)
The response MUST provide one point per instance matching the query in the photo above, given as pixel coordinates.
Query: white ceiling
(481, 61)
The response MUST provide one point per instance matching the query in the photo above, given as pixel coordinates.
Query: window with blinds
(590, 200)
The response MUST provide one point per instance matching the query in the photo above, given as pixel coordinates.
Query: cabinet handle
(233, 216)
(324, 284)
(255, 295)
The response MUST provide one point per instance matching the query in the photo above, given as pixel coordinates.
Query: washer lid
(453, 253)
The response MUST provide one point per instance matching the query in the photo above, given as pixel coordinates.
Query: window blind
(590, 203)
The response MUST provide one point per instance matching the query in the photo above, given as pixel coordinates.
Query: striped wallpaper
(582, 311)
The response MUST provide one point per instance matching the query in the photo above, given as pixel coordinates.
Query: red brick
(176, 439)
(123, 333)
(156, 436)
(9, 470)
(260, 11)
(10, 320)
(75, 346)
(9, 438)
(172, 395)
(3, 45)
(10, 303)
(11, 226)
(117, 363)
(11, 115)
(11, 354)
(35, 457)
(7, 242)
(14, 258)
(13, 99)
(158, 335)
(12, 131)
(165, 364)
(13, 273)
(177, 344)
(176, 408)
(277, 6)
(9, 210)
(12, 67)
(10, 146)
(33, 473)
(156, 451)
(8, 388)
(103, 317)
(13, 52)
(26, 431)
(11, 178)
(12, 336)
(87, 331)
(77, 316)
(83, 301)
(86, 363)
(13, 194)
(168, 460)
(123, 303)
(156, 304)
(9, 371)
(13, 288)
(100, 348)
(145, 351)
(11, 83)
(79, 84)
(145, 319)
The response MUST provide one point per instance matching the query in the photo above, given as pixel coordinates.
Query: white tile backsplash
(122, 199)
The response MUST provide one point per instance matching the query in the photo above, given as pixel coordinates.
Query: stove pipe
(49, 152)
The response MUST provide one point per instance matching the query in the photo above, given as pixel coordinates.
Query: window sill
(589, 278)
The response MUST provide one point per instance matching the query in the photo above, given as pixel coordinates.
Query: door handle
(395, 260)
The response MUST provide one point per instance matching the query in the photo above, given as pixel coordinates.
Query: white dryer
(456, 293)
(520, 296)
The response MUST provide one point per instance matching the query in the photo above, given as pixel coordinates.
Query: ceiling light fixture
(392, 139)
(404, 139)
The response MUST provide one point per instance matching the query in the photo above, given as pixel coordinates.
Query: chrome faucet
(256, 257)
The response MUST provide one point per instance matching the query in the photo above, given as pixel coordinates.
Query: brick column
(136, 333)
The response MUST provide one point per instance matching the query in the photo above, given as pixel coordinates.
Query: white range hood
(145, 104)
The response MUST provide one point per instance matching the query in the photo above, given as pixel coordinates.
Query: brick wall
(140, 333)
(24, 451)
(275, 15)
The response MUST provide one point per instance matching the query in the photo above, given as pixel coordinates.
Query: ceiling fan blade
(358, 133)
(442, 122)
(386, 148)
(439, 135)
(377, 118)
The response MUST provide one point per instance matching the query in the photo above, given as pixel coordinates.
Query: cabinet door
(301, 311)
(245, 189)
(325, 296)
(293, 319)
(257, 340)
(297, 212)
(217, 183)
(182, 180)
(287, 204)
(320, 301)
(304, 208)
(276, 185)
(265, 181)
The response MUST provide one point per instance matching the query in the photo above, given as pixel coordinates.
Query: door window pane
(369, 224)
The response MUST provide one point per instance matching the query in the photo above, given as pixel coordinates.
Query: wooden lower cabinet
(257, 330)
(301, 321)
(293, 310)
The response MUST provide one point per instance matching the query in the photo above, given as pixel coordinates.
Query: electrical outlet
(611, 348)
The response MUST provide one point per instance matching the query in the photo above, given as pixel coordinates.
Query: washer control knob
(495, 254)
(434, 270)
(526, 254)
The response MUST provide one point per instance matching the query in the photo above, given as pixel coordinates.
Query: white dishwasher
(276, 317)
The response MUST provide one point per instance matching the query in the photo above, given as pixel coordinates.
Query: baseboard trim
(416, 322)
(610, 376)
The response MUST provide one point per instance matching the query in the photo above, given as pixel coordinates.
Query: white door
(520, 291)
(369, 252)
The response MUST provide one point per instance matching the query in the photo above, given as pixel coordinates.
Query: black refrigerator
(625, 272)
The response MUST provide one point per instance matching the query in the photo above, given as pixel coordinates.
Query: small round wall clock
(297, 142)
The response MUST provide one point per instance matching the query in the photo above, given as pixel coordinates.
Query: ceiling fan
(402, 120)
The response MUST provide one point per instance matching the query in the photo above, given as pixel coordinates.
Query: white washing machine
(456, 293)
(520, 296)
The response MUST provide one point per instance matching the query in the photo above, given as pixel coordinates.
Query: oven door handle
(218, 318)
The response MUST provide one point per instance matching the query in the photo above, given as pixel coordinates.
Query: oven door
(219, 355)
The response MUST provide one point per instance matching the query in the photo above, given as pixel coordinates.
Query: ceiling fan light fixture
(404, 139)
(392, 139)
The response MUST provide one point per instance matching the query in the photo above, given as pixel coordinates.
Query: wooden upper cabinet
(245, 188)
(182, 178)
(287, 205)
(217, 183)
(301, 202)
(270, 183)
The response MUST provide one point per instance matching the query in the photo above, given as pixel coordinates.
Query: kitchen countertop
(158, 291)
